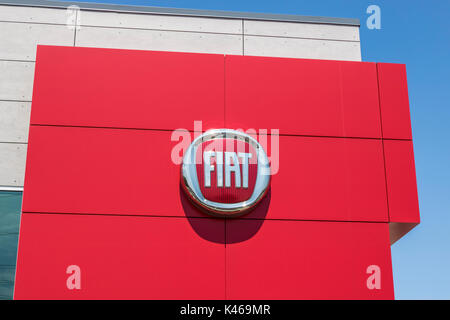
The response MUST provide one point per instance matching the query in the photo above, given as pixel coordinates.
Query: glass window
(10, 208)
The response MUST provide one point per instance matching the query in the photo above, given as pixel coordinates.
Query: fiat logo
(225, 172)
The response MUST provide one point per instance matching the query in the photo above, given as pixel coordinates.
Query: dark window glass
(10, 208)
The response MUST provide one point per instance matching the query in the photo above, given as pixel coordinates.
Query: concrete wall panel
(18, 41)
(159, 40)
(16, 80)
(159, 22)
(14, 121)
(302, 48)
(12, 164)
(33, 14)
(301, 30)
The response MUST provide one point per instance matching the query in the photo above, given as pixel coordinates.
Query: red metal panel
(119, 257)
(127, 89)
(111, 171)
(116, 177)
(401, 181)
(107, 171)
(307, 260)
(302, 97)
(394, 102)
(328, 179)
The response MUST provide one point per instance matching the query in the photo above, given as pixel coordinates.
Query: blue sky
(416, 33)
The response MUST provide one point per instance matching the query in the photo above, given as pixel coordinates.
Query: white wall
(22, 28)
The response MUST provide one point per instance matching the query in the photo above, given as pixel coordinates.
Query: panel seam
(225, 260)
(190, 130)
(193, 217)
(75, 28)
(184, 31)
(382, 144)
(125, 28)
(243, 38)
(224, 91)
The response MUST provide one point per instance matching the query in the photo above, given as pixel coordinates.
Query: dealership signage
(225, 172)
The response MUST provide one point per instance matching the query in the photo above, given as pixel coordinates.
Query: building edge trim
(183, 12)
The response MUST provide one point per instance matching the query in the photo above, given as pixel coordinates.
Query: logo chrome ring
(191, 185)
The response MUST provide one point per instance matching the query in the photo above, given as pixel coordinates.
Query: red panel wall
(102, 192)
(110, 171)
(394, 102)
(120, 257)
(127, 89)
(305, 97)
(401, 180)
(329, 179)
(307, 260)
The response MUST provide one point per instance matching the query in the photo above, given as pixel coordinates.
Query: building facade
(198, 37)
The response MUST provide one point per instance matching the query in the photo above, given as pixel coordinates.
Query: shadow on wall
(206, 226)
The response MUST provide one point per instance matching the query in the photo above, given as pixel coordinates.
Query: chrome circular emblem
(225, 172)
